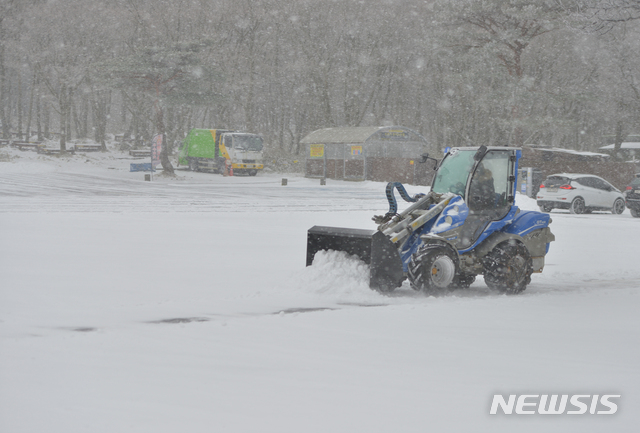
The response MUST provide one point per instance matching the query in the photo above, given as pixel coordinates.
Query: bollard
(323, 181)
(284, 182)
(147, 177)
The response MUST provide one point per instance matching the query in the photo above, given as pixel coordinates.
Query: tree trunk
(164, 153)
(47, 120)
(136, 132)
(4, 95)
(69, 105)
(617, 146)
(76, 120)
(39, 117)
(63, 118)
(123, 112)
(20, 107)
(30, 113)
(84, 118)
(80, 117)
(100, 108)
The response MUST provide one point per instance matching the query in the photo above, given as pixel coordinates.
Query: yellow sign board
(394, 134)
(317, 150)
(356, 150)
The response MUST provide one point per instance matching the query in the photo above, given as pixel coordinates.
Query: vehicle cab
(244, 151)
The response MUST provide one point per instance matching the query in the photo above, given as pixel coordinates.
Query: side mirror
(425, 157)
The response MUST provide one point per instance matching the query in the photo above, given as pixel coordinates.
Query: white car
(580, 193)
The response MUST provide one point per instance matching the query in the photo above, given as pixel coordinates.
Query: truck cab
(245, 152)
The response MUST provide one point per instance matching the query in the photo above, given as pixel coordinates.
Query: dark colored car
(632, 197)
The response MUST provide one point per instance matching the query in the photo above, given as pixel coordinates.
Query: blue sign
(141, 167)
(447, 149)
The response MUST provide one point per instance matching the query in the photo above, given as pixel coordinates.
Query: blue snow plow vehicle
(467, 225)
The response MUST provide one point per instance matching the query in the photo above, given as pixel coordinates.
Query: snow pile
(337, 275)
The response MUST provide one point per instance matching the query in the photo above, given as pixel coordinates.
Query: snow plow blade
(371, 246)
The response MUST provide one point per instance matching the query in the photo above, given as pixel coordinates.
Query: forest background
(513, 72)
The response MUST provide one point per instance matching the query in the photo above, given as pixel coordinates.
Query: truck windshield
(247, 142)
(454, 171)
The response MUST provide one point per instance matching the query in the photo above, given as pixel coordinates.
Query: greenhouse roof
(358, 134)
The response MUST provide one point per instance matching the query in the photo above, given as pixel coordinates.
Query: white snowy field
(184, 305)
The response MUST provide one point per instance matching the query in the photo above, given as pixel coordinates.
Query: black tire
(618, 206)
(508, 267)
(220, 164)
(193, 164)
(577, 206)
(253, 172)
(635, 212)
(546, 208)
(433, 268)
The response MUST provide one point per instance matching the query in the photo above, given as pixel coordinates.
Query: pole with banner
(156, 148)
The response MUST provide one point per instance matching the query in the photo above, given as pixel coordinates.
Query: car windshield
(454, 171)
(635, 182)
(556, 181)
(247, 142)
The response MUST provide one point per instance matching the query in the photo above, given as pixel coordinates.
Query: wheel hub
(442, 271)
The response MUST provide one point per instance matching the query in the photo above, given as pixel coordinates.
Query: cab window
(489, 188)
(453, 172)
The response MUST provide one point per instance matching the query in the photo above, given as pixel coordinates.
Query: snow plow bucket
(371, 246)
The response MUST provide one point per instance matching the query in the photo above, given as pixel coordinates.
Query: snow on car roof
(574, 175)
(627, 145)
(573, 152)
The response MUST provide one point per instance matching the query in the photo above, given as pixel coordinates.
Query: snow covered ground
(184, 305)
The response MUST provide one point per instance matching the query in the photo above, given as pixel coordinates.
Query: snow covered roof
(572, 152)
(628, 145)
(358, 134)
(341, 135)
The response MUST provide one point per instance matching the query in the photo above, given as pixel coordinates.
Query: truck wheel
(577, 206)
(508, 267)
(193, 164)
(433, 268)
(618, 207)
(218, 165)
(253, 172)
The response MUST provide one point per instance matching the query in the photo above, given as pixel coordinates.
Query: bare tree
(617, 24)
(458, 72)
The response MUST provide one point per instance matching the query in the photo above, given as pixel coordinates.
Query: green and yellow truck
(219, 150)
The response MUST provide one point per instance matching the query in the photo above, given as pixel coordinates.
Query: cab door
(489, 193)
(228, 144)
